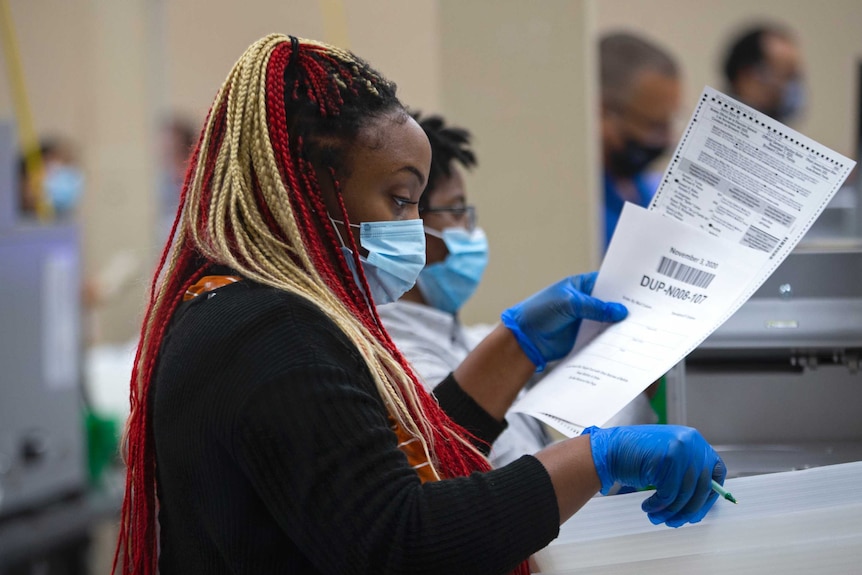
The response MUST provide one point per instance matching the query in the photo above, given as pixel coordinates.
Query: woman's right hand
(676, 460)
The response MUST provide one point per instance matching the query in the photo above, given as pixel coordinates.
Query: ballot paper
(741, 176)
(740, 192)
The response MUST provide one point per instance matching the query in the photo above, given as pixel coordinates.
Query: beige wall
(54, 38)
(696, 31)
(517, 77)
(398, 38)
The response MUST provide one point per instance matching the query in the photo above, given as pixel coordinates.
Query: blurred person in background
(62, 181)
(176, 140)
(640, 98)
(763, 69)
(62, 188)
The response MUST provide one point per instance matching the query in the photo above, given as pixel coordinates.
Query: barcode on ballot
(686, 274)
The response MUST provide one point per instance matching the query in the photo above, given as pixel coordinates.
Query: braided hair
(288, 111)
(448, 144)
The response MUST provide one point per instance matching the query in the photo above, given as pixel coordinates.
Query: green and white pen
(722, 491)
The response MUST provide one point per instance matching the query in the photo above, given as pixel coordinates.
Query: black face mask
(633, 158)
(790, 102)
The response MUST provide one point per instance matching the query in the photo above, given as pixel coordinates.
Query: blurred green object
(102, 444)
(659, 401)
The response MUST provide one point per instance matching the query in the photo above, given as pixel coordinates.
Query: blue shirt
(646, 185)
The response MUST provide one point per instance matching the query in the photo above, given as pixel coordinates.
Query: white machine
(42, 435)
(778, 386)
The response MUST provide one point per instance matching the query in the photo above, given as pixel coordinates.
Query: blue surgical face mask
(63, 187)
(396, 255)
(792, 101)
(447, 285)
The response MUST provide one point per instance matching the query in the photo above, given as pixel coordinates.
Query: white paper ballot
(741, 176)
(678, 285)
(739, 194)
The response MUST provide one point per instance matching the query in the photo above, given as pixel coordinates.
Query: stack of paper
(797, 522)
(738, 195)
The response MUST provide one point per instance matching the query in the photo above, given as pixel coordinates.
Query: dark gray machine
(42, 436)
(778, 386)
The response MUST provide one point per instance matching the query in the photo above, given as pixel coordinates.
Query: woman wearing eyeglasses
(424, 323)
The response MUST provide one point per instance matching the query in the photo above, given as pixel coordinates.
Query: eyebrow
(415, 171)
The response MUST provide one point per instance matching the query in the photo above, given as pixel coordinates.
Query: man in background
(763, 69)
(640, 98)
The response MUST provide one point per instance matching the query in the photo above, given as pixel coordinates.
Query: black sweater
(274, 455)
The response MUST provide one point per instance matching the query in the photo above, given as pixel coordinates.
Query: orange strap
(411, 446)
(209, 283)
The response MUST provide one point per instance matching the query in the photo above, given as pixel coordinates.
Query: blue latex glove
(676, 460)
(547, 323)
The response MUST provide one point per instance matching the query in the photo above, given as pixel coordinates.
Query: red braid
(137, 528)
(288, 168)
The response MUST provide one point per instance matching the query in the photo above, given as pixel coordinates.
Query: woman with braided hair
(274, 426)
